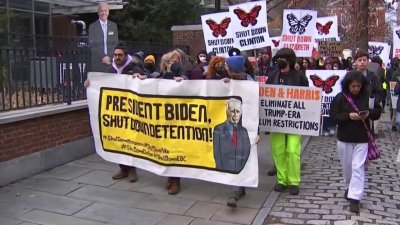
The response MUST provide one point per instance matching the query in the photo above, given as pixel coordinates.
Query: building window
(21, 28)
(20, 4)
(42, 24)
(3, 20)
(43, 7)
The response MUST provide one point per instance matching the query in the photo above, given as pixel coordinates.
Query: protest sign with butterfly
(380, 49)
(275, 42)
(396, 42)
(249, 23)
(217, 32)
(298, 31)
(326, 27)
(329, 83)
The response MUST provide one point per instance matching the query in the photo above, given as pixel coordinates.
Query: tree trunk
(364, 38)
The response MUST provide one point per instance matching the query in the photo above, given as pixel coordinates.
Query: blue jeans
(327, 123)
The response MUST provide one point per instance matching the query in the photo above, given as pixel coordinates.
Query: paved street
(321, 200)
(83, 193)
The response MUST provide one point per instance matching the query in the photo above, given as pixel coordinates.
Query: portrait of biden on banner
(231, 141)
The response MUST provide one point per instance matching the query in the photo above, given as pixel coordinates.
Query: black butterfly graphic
(374, 51)
(298, 25)
(398, 33)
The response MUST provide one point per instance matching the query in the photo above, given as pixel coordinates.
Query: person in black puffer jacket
(352, 134)
(286, 148)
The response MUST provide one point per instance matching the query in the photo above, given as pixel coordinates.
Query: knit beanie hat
(139, 55)
(236, 63)
(150, 58)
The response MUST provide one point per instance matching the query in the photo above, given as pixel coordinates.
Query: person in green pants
(286, 148)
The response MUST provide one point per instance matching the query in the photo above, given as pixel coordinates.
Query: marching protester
(381, 74)
(374, 85)
(264, 62)
(171, 68)
(201, 61)
(286, 147)
(122, 63)
(328, 126)
(236, 70)
(353, 125)
(397, 93)
(216, 69)
(392, 75)
(150, 67)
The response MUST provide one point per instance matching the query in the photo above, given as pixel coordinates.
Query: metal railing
(51, 72)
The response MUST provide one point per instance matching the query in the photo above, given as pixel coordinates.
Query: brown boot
(120, 175)
(168, 184)
(175, 186)
(132, 177)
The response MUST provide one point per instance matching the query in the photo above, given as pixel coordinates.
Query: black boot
(280, 187)
(354, 206)
(272, 172)
(294, 190)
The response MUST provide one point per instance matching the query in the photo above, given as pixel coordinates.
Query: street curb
(273, 196)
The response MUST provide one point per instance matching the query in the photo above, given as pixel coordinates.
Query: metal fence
(51, 72)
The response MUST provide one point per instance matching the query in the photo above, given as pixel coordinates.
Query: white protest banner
(326, 27)
(218, 33)
(396, 42)
(290, 109)
(298, 31)
(177, 129)
(249, 23)
(275, 42)
(392, 96)
(380, 49)
(329, 83)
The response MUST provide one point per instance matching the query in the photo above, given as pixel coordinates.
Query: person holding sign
(286, 147)
(122, 63)
(352, 132)
(171, 68)
(231, 141)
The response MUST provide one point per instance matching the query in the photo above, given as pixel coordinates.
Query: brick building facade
(24, 137)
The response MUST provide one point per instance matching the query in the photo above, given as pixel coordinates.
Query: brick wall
(183, 35)
(28, 136)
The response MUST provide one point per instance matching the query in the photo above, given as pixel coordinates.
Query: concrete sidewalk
(82, 192)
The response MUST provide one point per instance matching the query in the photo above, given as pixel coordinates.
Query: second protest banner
(290, 109)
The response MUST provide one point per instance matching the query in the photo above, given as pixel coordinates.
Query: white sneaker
(331, 132)
(325, 133)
